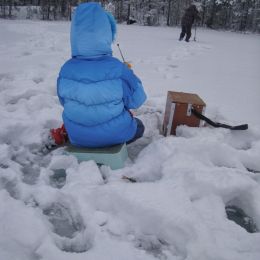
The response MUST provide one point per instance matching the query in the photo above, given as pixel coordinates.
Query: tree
(228, 14)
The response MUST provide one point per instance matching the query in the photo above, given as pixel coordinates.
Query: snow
(53, 207)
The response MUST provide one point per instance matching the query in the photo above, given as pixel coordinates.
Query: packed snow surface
(53, 208)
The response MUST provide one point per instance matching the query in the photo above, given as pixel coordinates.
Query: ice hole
(151, 244)
(70, 232)
(238, 215)
(30, 174)
(63, 222)
(58, 179)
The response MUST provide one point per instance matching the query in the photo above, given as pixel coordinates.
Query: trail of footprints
(69, 230)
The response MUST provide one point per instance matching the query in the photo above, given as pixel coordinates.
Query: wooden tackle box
(178, 111)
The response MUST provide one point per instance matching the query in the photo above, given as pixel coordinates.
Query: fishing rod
(125, 62)
(121, 53)
(195, 27)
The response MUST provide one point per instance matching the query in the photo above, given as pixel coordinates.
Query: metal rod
(195, 27)
(121, 53)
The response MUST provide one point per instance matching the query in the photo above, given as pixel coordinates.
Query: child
(97, 90)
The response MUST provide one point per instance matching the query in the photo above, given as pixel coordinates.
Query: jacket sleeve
(133, 91)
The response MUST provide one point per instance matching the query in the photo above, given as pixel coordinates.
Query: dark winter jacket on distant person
(190, 15)
(96, 89)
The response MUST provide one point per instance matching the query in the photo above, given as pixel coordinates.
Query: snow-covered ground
(53, 208)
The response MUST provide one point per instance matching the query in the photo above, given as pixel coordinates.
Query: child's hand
(131, 113)
(128, 64)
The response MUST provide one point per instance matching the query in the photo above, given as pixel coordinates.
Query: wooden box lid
(188, 98)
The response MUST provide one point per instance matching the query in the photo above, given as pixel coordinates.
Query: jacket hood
(92, 31)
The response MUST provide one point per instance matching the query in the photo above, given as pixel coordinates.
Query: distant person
(97, 90)
(191, 14)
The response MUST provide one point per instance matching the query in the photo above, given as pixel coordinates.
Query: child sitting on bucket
(97, 90)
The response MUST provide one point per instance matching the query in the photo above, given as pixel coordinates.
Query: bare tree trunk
(4, 6)
(177, 16)
(256, 16)
(247, 14)
(69, 9)
(169, 12)
(10, 8)
(244, 16)
(211, 19)
(128, 13)
(203, 12)
(48, 10)
(119, 10)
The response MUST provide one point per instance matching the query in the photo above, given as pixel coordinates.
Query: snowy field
(52, 208)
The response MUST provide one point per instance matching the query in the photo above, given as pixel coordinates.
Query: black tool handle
(216, 124)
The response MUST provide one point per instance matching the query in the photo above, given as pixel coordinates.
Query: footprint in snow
(173, 66)
(6, 77)
(26, 53)
(58, 179)
(151, 244)
(30, 174)
(12, 100)
(37, 80)
(70, 232)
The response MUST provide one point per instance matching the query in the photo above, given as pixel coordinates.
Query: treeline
(37, 9)
(238, 15)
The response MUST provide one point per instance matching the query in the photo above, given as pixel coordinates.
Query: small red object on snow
(59, 135)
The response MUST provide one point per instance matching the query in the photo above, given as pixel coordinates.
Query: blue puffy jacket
(96, 89)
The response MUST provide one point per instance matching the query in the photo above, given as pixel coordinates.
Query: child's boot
(57, 137)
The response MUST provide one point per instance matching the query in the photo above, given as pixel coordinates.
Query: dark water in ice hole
(237, 215)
